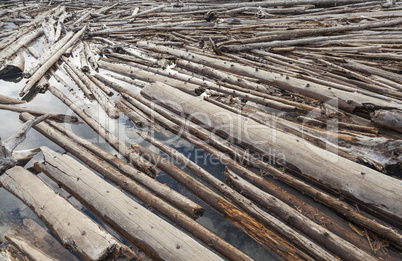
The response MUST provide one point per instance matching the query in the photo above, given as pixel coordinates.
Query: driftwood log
(151, 200)
(154, 235)
(351, 179)
(74, 229)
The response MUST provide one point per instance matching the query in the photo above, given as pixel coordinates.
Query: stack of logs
(300, 100)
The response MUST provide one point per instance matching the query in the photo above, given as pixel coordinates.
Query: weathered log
(79, 83)
(90, 56)
(83, 59)
(351, 179)
(176, 199)
(119, 146)
(54, 116)
(154, 235)
(26, 39)
(176, 125)
(74, 228)
(101, 85)
(266, 41)
(345, 100)
(49, 63)
(28, 249)
(388, 118)
(96, 90)
(333, 243)
(248, 224)
(13, 67)
(42, 239)
(7, 147)
(10, 100)
(298, 239)
(146, 76)
(145, 196)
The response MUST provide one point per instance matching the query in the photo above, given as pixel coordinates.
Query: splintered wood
(299, 101)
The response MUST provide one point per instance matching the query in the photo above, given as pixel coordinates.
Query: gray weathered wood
(73, 227)
(151, 233)
(349, 178)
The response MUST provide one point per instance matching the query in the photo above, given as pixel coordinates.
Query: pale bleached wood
(49, 63)
(74, 228)
(154, 235)
(28, 249)
(353, 180)
(347, 101)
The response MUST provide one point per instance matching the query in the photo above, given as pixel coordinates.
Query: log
(373, 189)
(41, 238)
(13, 67)
(146, 76)
(347, 101)
(176, 199)
(54, 116)
(263, 235)
(296, 238)
(100, 84)
(119, 146)
(267, 41)
(10, 100)
(83, 59)
(391, 119)
(145, 196)
(333, 243)
(90, 56)
(78, 82)
(49, 63)
(72, 227)
(102, 99)
(7, 147)
(341, 229)
(28, 249)
(152, 234)
(24, 40)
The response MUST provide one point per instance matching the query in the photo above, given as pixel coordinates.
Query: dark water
(13, 211)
